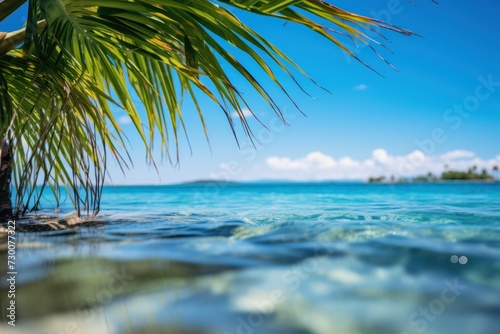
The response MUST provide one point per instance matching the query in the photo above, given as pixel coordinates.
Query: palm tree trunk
(5, 176)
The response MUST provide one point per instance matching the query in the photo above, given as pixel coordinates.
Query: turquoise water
(268, 258)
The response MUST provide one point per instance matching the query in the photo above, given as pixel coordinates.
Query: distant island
(448, 175)
(208, 182)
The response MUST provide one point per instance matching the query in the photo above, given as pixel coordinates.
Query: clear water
(268, 258)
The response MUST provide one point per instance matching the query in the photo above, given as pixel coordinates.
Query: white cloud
(457, 154)
(319, 166)
(360, 87)
(246, 113)
(314, 160)
(380, 155)
(348, 162)
(123, 120)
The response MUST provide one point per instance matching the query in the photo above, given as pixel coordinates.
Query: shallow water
(268, 258)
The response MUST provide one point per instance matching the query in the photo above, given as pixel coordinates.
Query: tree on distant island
(378, 179)
(469, 175)
(447, 175)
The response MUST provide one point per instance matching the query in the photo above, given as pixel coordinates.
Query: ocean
(322, 258)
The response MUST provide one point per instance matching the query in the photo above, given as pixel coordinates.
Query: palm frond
(61, 85)
(7, 7)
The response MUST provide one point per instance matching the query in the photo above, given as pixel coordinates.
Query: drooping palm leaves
(61, 76)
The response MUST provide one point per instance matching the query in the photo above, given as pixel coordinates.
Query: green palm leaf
(76, 61)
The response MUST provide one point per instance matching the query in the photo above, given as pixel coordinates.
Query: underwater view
(245, 258)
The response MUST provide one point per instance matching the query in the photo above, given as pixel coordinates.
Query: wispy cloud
(124, 120)
(320, 166)
(360, 87)
(458, 154)
(246, 113)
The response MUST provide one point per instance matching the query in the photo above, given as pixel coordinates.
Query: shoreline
(50, 223)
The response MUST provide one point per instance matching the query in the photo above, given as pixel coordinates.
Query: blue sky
(404, 123)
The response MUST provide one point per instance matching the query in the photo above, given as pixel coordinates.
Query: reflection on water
(308, 258)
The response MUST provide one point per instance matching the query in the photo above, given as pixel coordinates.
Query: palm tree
(5, 174)
(76, 62)
(495, 170)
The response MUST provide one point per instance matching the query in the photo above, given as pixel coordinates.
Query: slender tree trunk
(5, 176)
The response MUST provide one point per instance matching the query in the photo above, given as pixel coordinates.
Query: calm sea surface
(267, 258)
